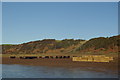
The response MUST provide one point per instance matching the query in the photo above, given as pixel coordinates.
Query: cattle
(13, 57)
(51, 57)
(46, 56)
(28, 57)
(40, 57)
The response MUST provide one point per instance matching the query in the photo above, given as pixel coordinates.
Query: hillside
(43, 46)
(106, 45)
(100, 44)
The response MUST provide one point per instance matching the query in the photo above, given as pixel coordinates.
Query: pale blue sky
(0, 22)
(23, 22)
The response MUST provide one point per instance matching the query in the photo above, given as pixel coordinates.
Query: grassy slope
(70, 50)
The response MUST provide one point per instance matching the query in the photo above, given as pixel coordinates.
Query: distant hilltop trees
(109, 44)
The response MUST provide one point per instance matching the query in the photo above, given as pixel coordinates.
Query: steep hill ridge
(106, 45)
(43, 46)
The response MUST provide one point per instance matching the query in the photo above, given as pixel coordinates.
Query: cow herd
(42, 57)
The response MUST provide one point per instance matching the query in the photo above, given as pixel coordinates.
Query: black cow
(13, 57)
(28, 57)
(46, 56)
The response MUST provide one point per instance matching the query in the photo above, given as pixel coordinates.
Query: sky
(30, 21)
(0, 23)
(60, 0)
